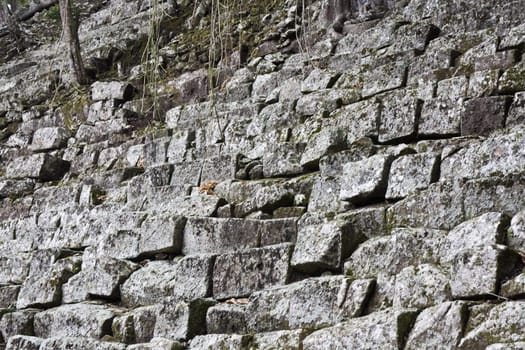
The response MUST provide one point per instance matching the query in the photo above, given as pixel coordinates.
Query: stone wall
(366, 192)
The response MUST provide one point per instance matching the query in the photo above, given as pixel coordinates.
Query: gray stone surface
(111, 90)
(45, 139)
(41, 166)
(241, 273)
(74, 343)
(516, 234)
(483, 115)
(226, 319)
(219, 342)
(293, 306)
(387, 77)
(504, 323)
(411, 173)
(158, 344)
(439, 326)
(399, 113)
(17, 323)
(440, 117)
(136, 326)
(366, 180)
(75, 320)
(23, 342)
(279, 340)
(181, 321)
(385, 330)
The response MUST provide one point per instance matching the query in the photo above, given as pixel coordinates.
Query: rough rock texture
(326, 174)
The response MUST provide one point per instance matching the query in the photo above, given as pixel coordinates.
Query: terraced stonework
(367, 192)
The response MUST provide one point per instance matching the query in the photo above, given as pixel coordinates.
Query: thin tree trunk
(70, 33)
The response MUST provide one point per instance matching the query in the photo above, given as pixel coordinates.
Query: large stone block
(47, 274)
(387, 77)
(410, 173)
(380, 330)
(483, 115)
(74, 343)
(112, 90)
(75, 320)
(240, 274)
(315, 302)
(182, 321)
(8, 296)
(324, 246)
(219, 342)
(512, 80)
(100, 276)
(440, 326)
(41, 166)
(17, 323)
(23, 342)
(503, 324)
(227, 319)
(390, 254)
(283, 159)
(440, 117)
(45, 139)
(135, 326)
(516, 234)
(366, 180)
(279, 340)
(400, 111)
(517, 111)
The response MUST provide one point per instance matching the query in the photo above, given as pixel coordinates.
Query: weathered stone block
(327, 141)
(410, 173)
(390, 254)
(215, 235)
(440, 117)
(41, 166)
(47, 274)
(516, 234)
(439, 207)
(158, 344)
(318, 79)
(136, 326)
(100, 276)
(226, 319)
(23, 342)
(219, 342)
(399, 114)
(148, 285)
(279, 339)
(324, 246)
(319, 102)
(283, 159)
(76, 320)
(357, 119)
(239, 274)
(380, 330)
(483, 83)
(17, 323)
(421, 286)
(517, 111)
(111, 90)
(182, 321)
(8, 296)
(45, 139)
(315, 302)
(503, 324)
(483, 115)
(387, 77)
(513, 79)
(74, 343)
(439, 326)
(366, 180)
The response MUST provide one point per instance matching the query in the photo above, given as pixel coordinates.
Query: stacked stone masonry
(367, 192)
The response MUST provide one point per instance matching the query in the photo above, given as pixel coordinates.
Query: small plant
(208, 187)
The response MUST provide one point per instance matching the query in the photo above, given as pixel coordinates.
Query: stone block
(314, 302)
(483, 115)
(75, 320)
(17, 323)
(181, 321)
(219, 342)
(47, 274)
(100, 276)
(411, 173)
(112, 90)
(23, 342)
(357, 120)
(513, 79)
(384, 78)
(439, 207)
(439, 326)
(226, 319)
(40, 166)
(516, 114)
(74, 343)
(503, 324)
(399, 114)
(50, 138)
(380, 330)
(136, 326)
(390, 254)
(483, 83)
(441, 117)
(421, 286)
(324, 246)
(279, 339)
(283, 159)
(320, 102)
(8, 296)
(366, 180)
(241, 273)
(516, 234)
(148, 285)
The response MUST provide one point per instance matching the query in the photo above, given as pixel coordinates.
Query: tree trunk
(11, 25)
(70, 33)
